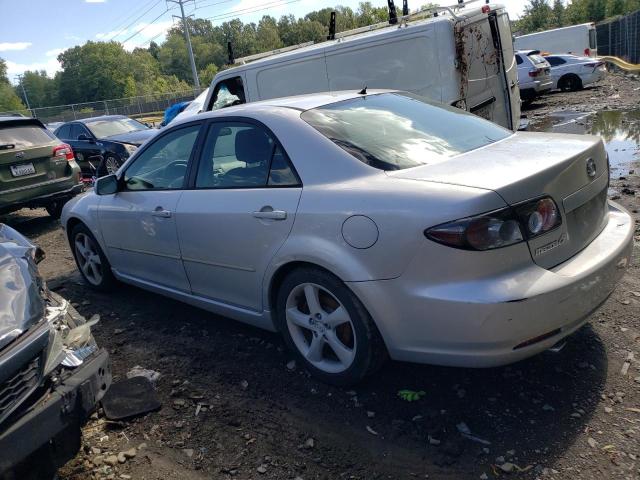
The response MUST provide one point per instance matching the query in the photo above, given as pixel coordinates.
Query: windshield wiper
(7, 146)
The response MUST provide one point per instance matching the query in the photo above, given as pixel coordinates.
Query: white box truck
(458, 55)
(577, 40)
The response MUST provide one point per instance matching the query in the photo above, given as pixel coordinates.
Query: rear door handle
(271, 214)
(161, 212)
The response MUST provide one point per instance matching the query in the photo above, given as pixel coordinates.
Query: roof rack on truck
(398, 21)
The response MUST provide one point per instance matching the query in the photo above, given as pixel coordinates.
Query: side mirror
(106, 185)
(85, 138)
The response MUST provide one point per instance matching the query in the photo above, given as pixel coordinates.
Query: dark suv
(36, 169)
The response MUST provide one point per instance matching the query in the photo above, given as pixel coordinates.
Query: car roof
(8, 120)
(298, 102)
(92, 119)
(528, 52)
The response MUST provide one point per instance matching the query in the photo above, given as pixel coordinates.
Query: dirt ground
(233, 406)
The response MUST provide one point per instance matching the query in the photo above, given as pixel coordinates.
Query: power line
(124, 29)
(146, 26)
(122, 19)
(247, 11)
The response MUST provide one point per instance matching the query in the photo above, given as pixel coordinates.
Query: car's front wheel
(90, 259)
(328, 328)
(109, 165)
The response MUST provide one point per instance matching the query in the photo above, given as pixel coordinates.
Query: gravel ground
(236, 406)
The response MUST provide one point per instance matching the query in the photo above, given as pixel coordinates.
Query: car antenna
(363, 91)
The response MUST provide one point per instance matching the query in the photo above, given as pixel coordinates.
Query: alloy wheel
(88, 258)
(112, 165)
(321, 328)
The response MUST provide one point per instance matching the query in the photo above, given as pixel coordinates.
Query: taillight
(500, 228)
(587, 52)
(486, 9)
(63, 150)
(593, 64)
(534, 72)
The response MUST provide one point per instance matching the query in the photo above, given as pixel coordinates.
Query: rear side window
(393, 131)
(24, 136)
(555, 61)
(592, 39)
(64, 132)
(518, 60)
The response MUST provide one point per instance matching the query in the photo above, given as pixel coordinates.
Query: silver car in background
(534, 74)
(363, 226)
(570, 73)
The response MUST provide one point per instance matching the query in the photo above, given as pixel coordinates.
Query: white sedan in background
(570, 73)
(362, 226)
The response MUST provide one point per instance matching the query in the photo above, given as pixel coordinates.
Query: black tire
(54, 209)
(108, 281)
(106, 163)
(370, 350)
(570, 83)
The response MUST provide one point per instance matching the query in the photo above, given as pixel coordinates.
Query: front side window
(242, 155)
(393, 131)
(104, 128)
(163, 165)
(227, 93)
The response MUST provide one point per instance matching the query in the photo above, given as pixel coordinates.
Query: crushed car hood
(134, 138)
(21, 303)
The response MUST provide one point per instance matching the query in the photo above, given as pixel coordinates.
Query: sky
(34, 32)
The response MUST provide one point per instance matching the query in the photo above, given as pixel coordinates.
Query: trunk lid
(26, 156)
(528, 165)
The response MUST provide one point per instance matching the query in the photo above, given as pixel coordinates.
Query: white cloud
(51, 66)
(111, 34)
(55, 52)
(5, 46)
(95, 1)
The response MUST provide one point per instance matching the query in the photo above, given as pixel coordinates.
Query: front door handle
(161, 212)
(271, 214)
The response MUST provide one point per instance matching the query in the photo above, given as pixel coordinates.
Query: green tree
(42, 90)
(537, 17)
(557, 14)
(207, 74)
(267, 35)
(9, 101)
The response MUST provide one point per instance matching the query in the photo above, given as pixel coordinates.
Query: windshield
(114, 126)
(393, 131)
(24, 136)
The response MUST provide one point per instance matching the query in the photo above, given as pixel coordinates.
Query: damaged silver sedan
(52, 373)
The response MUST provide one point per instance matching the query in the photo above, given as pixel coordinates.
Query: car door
(87, 149)
(238, 213)
(138, 223)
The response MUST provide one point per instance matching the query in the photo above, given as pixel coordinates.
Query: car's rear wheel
(109, 165)
(570, 83)
(54, 209)
(90, 259)
(328, 328)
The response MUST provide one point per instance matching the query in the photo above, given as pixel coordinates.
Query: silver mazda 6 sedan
(363, 226)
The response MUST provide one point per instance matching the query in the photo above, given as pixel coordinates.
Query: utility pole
(187, 37)
(24, 92)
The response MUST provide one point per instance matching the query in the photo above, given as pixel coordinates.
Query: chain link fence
(131, 107)
(620, 37)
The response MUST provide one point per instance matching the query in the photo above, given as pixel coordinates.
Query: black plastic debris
(129, 398)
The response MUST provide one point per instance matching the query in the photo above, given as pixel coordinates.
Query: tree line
(542, 15)
(103, 70)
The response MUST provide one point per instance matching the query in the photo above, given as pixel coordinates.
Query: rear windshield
(536, 58)
(24, 137)
(393, 131)
(114, 126)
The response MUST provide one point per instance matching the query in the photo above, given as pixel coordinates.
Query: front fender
(84, 208)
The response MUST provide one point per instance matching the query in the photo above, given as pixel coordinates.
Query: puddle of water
(620, 131)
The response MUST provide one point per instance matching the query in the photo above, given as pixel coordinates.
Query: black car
(102, 144)
(52, 372)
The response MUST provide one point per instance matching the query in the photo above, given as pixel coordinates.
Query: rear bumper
(481, 322)
(16, 200)
(589, 78)
(49, 431)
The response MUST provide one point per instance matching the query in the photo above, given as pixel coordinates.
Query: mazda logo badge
(591, 168)
(20, 155)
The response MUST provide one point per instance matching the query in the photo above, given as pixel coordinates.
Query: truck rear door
(488, 73)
